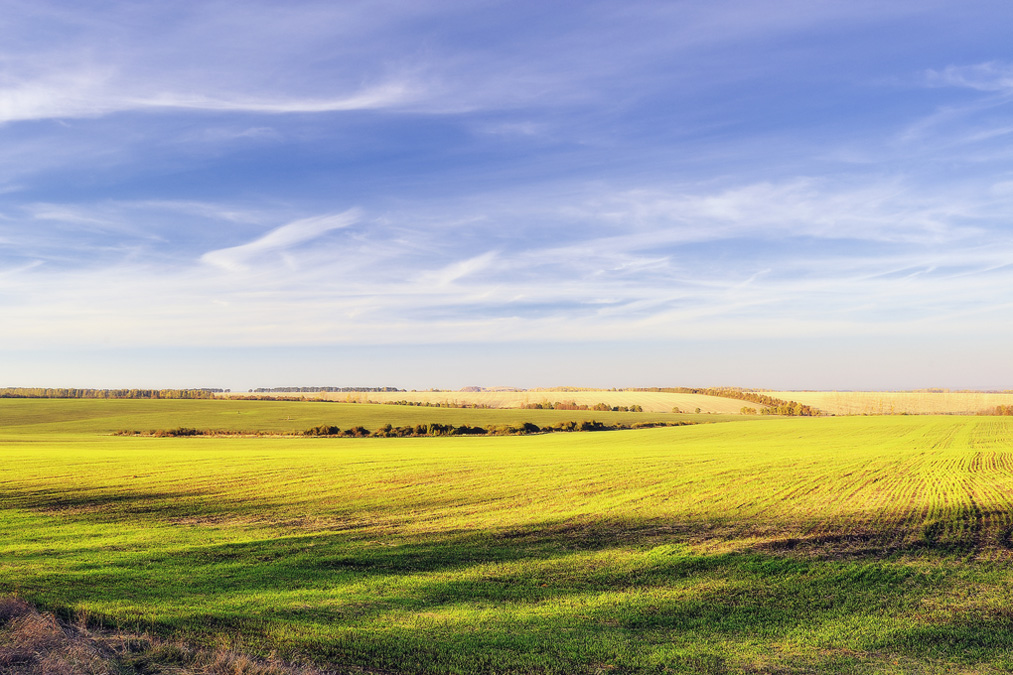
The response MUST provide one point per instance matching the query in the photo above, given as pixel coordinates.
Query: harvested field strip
(895, 403)
(656, 402)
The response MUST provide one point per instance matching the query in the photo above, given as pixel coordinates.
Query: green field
(95, 416)
(816, 545)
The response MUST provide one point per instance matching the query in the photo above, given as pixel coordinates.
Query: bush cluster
(437, 429)
(1001, 410)
(573, 405)
(408, 431)
(180, 432)
(435, 404)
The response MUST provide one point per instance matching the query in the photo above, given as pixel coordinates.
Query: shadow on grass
(566, 597)
(961, 530)
(983, 636)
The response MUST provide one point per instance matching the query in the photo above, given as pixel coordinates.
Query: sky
(792, 194)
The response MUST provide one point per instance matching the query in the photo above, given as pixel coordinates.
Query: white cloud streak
(991, 76)
(279, 239)
(384, 96)
(88, 96)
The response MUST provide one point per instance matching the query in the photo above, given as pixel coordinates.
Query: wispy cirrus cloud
(383, 96)
(332, 57)
(72, 93)
(87, 95)
(990, 76)
(458, 270)
(281, 238)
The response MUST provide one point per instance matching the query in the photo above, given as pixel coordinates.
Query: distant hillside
(300, 390)
(649, 401)
(895, 403)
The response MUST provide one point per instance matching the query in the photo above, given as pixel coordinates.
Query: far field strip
(650, 401)
(895, 403)
(51, 417)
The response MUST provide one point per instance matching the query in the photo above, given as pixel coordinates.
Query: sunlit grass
(795, 545)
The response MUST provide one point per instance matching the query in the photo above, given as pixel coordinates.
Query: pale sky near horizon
(791, 194)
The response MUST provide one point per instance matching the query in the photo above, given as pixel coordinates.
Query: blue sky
(435, 194)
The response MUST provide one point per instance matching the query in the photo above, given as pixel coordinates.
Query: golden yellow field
(649, 401)
(887, 403)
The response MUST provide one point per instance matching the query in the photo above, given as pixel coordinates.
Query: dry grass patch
(32, 643)
(36, 644)
(896, 403)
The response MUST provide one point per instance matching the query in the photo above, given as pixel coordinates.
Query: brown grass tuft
(38, 644)
(11, 608)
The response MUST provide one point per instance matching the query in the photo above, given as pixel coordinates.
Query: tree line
(438, 429)
(772, 406)
(40, 392)
(434, 404)
(409, 431)
(296, 390)
(573, 405)
(545, 404)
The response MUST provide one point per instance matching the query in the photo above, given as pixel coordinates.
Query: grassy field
(650, 401)
(820, 545)
(94, 416)
(894, 403)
